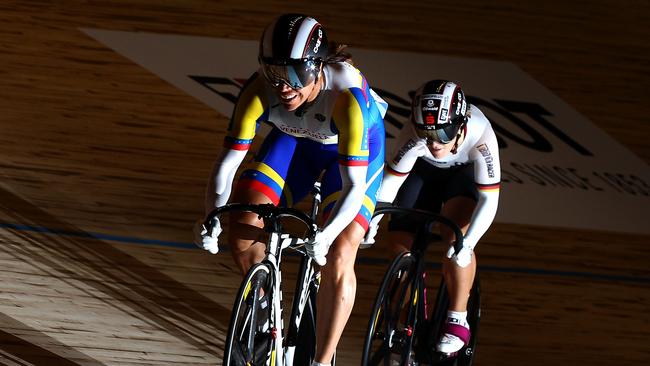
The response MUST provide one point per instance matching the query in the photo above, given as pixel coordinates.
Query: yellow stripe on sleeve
(250, 106)
(349, 121)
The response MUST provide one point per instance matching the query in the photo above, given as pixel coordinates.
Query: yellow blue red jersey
(339, 134)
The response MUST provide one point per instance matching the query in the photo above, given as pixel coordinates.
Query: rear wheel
(249, 341)
(391, 327)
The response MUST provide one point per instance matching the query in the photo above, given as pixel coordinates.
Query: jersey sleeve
(351, 118)
(249, 109)
(487, 175)
(405, 152)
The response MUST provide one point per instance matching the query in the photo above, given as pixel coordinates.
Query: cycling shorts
(286, 167)
(428, 188)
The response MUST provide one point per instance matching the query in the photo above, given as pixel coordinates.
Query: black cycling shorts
(428, 187)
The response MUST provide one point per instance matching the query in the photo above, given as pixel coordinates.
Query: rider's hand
(318, 246)
(205, 241)
(463, 258)
(369, 239)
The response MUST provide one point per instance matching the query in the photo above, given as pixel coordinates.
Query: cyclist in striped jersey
(326, 121)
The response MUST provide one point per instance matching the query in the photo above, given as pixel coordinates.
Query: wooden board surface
(92, 143)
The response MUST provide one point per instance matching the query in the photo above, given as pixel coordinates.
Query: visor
(443, 135)
(294, 73)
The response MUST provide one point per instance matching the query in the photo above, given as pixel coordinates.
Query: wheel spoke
(386, 329)
(238, 355)
(380, 355)
(247, 345)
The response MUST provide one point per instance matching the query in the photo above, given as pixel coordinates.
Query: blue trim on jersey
(333, 127)
(238, 141)
(263, 118)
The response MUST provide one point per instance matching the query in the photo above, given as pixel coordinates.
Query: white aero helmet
(292, 50)
(439, 110)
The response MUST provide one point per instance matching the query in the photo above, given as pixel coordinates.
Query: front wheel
(306, 340)
(306, 345)
(390, 329)
(250, 341)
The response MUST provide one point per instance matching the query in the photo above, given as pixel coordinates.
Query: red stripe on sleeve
(489, 187)
(353, 162)
(395, 172)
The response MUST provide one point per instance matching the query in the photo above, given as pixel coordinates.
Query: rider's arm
(241, 131)
(487, 174)
(407, 151)
(350, 119)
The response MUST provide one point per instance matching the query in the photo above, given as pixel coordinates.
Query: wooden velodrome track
(112, 161)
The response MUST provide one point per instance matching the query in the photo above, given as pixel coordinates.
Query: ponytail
(340, 54)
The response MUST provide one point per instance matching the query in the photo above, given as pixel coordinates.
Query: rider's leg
(398, 242)
(246, 235)
(459, 280)
(261, 182)
(337, 291)
(415, 192)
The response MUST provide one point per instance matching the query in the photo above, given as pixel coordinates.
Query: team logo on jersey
(489, 160)
(406, 147)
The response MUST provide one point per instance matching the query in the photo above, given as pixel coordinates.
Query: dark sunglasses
(296, 74)
(443, 135)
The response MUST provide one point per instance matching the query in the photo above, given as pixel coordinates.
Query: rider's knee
(340, 260)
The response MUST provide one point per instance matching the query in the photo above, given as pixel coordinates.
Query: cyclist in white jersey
(446, 160)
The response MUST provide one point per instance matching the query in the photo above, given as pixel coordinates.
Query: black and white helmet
(439, 110)
(292, 50)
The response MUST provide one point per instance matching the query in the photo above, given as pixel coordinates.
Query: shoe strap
(459, 331)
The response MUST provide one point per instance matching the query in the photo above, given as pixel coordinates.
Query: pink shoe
(455, 336)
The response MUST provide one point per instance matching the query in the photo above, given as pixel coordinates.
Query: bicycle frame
(284, 347)
(306, 282)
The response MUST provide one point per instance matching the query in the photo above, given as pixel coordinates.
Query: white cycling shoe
(455, 336)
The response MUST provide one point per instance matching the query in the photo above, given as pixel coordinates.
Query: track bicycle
(401, 330)
(256, 334)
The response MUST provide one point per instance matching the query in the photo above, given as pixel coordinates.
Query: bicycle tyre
(384, 336)
(247, 343)
(306, 344)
